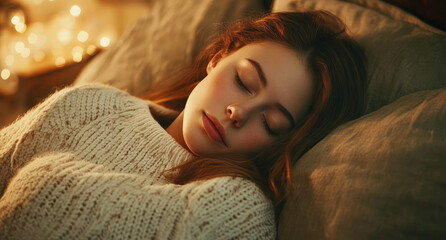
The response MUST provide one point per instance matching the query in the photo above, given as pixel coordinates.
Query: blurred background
(45, 43)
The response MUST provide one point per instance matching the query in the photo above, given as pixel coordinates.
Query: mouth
(213, 128)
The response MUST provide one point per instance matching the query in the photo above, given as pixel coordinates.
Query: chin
(196, 144)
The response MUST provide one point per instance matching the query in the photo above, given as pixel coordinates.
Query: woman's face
(248, 99)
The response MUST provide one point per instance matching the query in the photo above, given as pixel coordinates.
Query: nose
(238, 114)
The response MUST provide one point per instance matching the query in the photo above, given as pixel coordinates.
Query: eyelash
(243, 87)
(241, 84)
(268, 129)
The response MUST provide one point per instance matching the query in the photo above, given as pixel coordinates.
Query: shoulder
(90, 90)
(75, 106)
(90, 98)
(81, 95)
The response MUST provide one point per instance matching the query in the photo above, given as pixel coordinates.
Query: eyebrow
(264, 83)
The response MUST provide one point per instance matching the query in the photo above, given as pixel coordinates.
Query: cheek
(252, 141)
(209, 93)
(219, 86)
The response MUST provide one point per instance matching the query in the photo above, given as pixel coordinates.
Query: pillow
(395, 12)
(379, 177)
(404, 55)
(170, 35)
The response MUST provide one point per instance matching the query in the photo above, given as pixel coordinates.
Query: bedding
(377, 177)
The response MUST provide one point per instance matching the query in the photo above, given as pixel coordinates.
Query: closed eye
(241, 84)
(268, 129)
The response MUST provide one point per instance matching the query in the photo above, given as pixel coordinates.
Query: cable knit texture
(87, 163)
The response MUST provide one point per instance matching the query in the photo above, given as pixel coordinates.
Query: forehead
(288, 79)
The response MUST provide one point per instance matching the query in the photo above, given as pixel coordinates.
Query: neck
(176, 130)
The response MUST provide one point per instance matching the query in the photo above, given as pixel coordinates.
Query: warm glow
(57, 51)
(64, 35)
(15, 20)
(39, 56)
(37, 27)
(41, 34)
(9, 60)
(77, 53)
(19, 46)
(41, 41)
(75, 10)
(60, 61)
(77, 49)
(77, 57)
(105, 41)
(5, 74)
(18, 16)
(20, 27)
(25, 53)
(33, 38)
(91, 49)
(82, 36)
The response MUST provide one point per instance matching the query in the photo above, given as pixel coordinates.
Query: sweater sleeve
(58, 196)
(48, 126)
(230, 208)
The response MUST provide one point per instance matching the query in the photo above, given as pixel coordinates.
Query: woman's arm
(26, 136)
(61, 196)
(48, 126)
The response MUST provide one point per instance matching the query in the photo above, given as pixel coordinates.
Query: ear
(215, 59)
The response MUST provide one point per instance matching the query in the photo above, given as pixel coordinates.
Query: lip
(213, 128)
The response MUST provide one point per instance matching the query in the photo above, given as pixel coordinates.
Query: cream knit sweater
(86, 164)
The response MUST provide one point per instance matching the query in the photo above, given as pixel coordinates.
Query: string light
(18, 17)
(15, 20)
(82, 36)
(5, 74)
(25, 53)
(77, 49)
(75, 10)
(91, 49)
(37, 44)
(77, 53)
(20, 27)
(60, 61)
(105, 41)
(33, 38)
(77, 57)
(19, 46)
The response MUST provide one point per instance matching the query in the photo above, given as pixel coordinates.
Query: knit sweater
(87, 164)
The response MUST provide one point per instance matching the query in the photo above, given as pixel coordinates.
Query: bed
(382, 176)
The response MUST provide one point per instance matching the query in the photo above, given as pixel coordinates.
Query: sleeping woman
(205, 155)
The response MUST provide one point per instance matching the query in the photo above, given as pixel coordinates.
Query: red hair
(338, 68)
